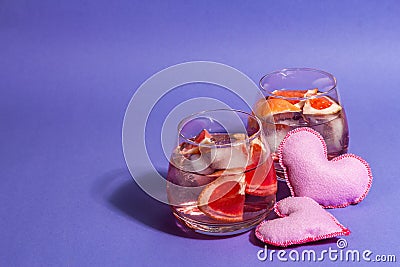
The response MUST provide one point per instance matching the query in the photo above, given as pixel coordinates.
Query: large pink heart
(303, 220)
(337, 183)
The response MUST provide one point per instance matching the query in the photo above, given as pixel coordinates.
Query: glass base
(220, 229)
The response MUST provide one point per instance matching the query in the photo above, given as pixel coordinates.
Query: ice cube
(281, 132)
(196, 163)
(284, 124)
(335, 134)
(200, 164)
(183, 187)
(180, 177)
(229, 157)
(276, 132)
(336, 129)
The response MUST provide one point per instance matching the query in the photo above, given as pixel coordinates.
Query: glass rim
(320, 94)
(248, 139)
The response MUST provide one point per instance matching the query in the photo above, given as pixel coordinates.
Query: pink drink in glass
(221, 181)
(302, 98)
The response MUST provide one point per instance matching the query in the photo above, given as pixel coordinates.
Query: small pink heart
(337, 183)
(303, 220)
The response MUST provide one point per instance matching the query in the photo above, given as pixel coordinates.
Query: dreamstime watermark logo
(340, 253)
(149, 94)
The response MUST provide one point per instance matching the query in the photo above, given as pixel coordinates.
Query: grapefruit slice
(321, 106)
(256, 150)
(295, 94)
(261, 181)
(281, 106)
(204, 137)
(223, 199)
(260, 178)
(266, 107)
(281, 110)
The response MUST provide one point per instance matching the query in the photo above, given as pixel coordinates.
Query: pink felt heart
(303, 220)
(337, 183)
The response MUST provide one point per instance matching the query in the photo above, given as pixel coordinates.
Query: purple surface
(68, 70)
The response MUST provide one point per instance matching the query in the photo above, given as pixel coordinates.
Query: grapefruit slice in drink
(294, 94)
(261, 181)
(223, 199)
(281, 106)
(204, 137)
(321, 106)
(280, 109)
(260, 177)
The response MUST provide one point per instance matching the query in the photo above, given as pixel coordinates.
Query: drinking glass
(221, 178)
(302, 97)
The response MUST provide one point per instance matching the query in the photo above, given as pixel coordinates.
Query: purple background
(68, 70)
